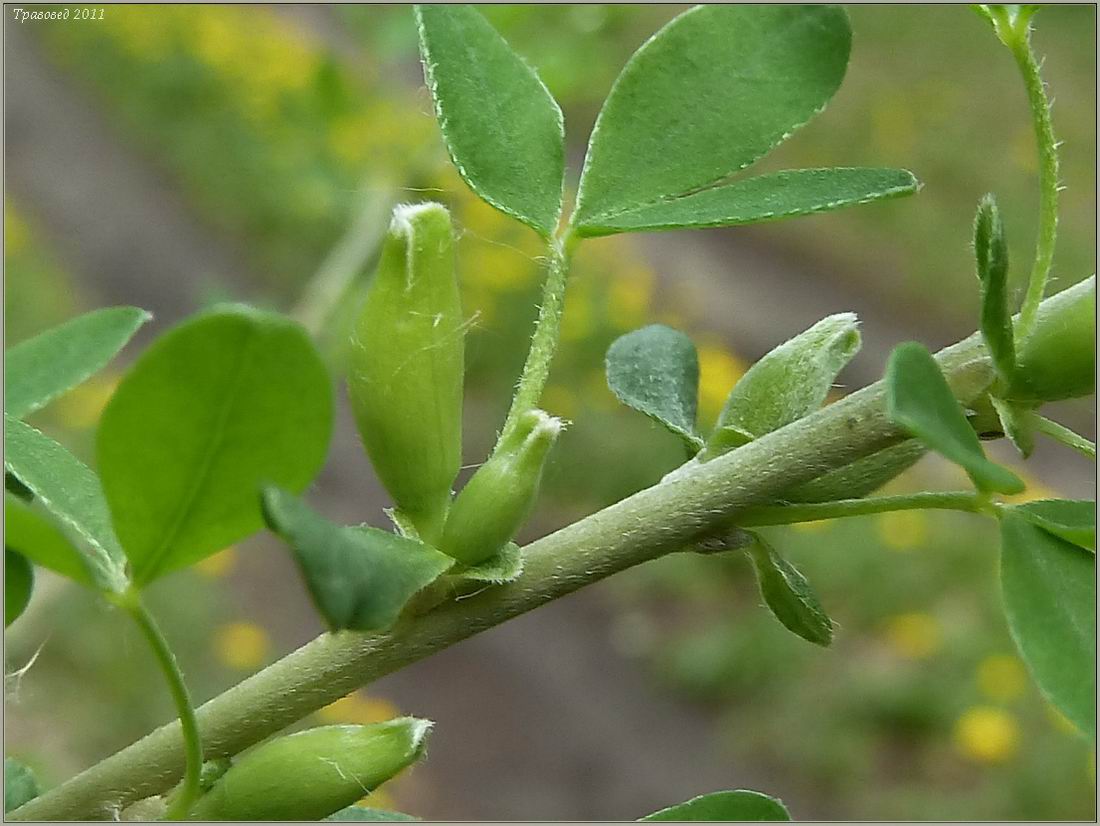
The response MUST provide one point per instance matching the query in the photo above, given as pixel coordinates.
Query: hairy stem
(763, 515)
(544, 342)
(1063, 434)
(1048, 181)
(655, 521)
(188, 724)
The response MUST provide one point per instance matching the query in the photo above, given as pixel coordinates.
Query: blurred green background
(170, 156)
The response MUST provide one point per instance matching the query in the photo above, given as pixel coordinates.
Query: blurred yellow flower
(380, 798)
(816, 526)
(218, 565)
(15, 230)
(1002, 677)
(81, 407)
(358, 708)
(242, 645)
(1034, 490)
(560, 401)
(1060, 721)
(987, 735)
(914, 636)
(719, 370)
(628, 297)
(902, 530)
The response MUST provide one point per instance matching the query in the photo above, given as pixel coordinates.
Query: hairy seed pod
(405, 376)
(1058, 360)
(313, 773)
(497, 500)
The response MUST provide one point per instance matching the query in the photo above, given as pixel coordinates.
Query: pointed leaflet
(222, 404)
(37, 538)
(790, 382)
(919, 400)
(1073, 520)
(43, 367)
(1018, 424)
(359, 577)
(69, 490)
(737, 805)
(710, 93)
(655, 370)
(763, 198)
(789, 596)
(501, 125)
(1049, 590)
(18, 584)
(991, 252)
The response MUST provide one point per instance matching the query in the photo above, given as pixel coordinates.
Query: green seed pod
(405, 375)
(790, 382)
(1058, 360)
(313, 773)
(861, 477)
(497, 500)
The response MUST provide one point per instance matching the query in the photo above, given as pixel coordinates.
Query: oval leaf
(18, 584)
(763, 198)
(991, 251)
(37, 538)
(1073, 520)
(502, 126)
(69, 490)
(789, 596)
(359, 577)
(736, 806)
(40, 369)
(1049, 590)
(217, 407)
(919, 400)
(20, 785)
(710, 93)
(655, 370)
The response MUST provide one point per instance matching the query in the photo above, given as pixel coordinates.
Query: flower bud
(1058, 359)
(311, 774)
(405, 376)
(497, 500)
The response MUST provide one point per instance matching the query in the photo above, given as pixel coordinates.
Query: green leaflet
(655, 370)
(312, 774)
(69, 490)
(222, 404)
(1017, 423)
(763, 198)
(20, 785)
(789, 596)
(38, 370)
(44, 543)
(359, 577)
(361, 814)
(919, 400)
(1073, 520)
(707, 95)
(18, 585)
(502, 126)
(737, 805)
(991, 252)
(1049, 590)
(860, 477)
(790, 382)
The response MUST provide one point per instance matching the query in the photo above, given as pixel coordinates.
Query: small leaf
(1073, 520)
(919, 400)
(790, 382)
(738, 805)
(18, 584)
(789, 596)
(37, 538)
(655, 370)
(991, 251)
(222, 404)
(1049, 590)
(710, 93)
(763, 198)
(860, 477)
(504, 566)
(359, 577)
(38, 370)
(361, 814)
(502, 126)
(1017, 423)
(69, 490)
(20, 785)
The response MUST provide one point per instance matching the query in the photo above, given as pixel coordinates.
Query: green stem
(192, 745)
(1048, 181)
(789, 514)
(544, 342)
(1064, 435)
